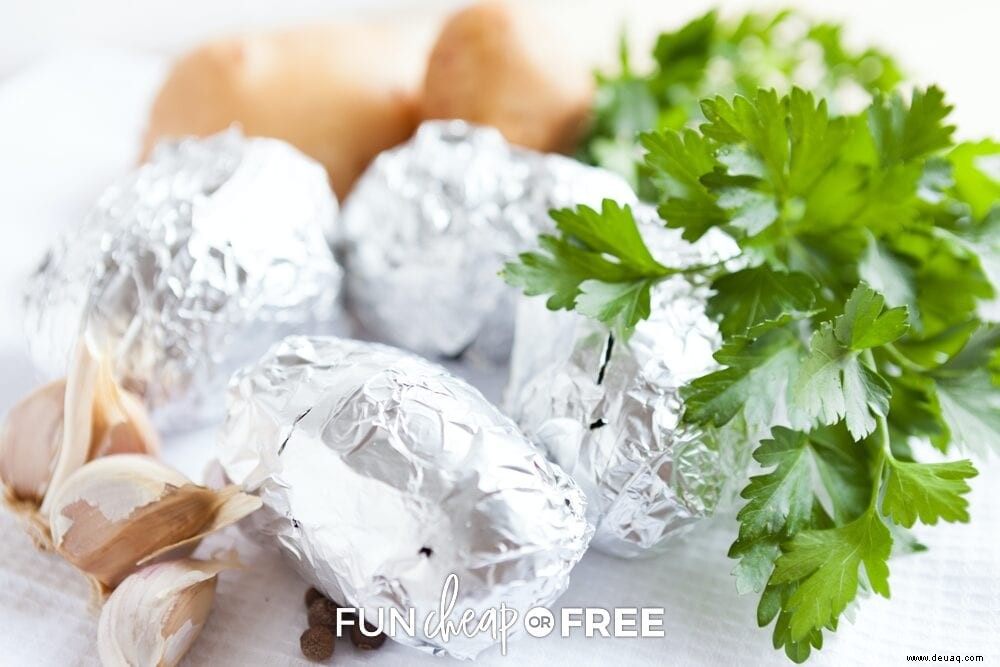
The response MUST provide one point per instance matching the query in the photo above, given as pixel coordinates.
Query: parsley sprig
(712, 55)
(854, 326)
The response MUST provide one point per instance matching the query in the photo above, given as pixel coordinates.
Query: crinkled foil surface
(190, 267)
(429, 225)
(381, 474)
(609, 411)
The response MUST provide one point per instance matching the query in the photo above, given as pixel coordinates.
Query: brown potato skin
(339, 93)
(496, 63)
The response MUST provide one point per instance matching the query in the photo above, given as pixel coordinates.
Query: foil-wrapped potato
(339, 93)
(608, 411)
(190, 267)
(426, 231)
(381, 475)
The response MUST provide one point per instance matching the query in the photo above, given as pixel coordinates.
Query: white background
(75, 79)
(950, 41)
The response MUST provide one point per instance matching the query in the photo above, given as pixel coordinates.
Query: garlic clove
(120, 423)
(155, 614)
(29, 442)
(103, 419)
(77, 417)
(119, 512)
(100, 417)
(62, 425)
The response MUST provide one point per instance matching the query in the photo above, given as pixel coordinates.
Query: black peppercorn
(317, 643)
(366, 642)
(312, 595)
(323, 612)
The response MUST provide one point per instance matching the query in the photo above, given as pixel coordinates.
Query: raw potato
(341, 94)
(497, 64)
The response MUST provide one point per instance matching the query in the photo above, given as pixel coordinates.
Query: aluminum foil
(190, 267)
(429, 225)
(381, 474)
(608, 411)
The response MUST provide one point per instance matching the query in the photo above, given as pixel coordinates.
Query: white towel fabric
(67, 127)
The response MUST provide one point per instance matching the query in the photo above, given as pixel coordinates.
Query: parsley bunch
(710, 55)
(855, 323)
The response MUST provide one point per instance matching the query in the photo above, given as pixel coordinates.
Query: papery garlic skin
(155, 615)
(116, 513)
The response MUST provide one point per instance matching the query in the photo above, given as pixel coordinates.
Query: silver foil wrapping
(608, 412)
(429, 225)
(381, 474)
(190, 267)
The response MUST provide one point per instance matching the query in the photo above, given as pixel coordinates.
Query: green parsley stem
(883, 428)
(902, 360)
(698, 269)
(883, 455)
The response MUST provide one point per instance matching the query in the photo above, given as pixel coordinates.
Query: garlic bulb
(120, 512)
(62, 425)
(154, 615)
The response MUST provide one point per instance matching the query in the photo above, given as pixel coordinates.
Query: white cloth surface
(67, 127)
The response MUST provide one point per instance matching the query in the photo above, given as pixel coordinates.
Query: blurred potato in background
(340, 93)
(502, 64)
